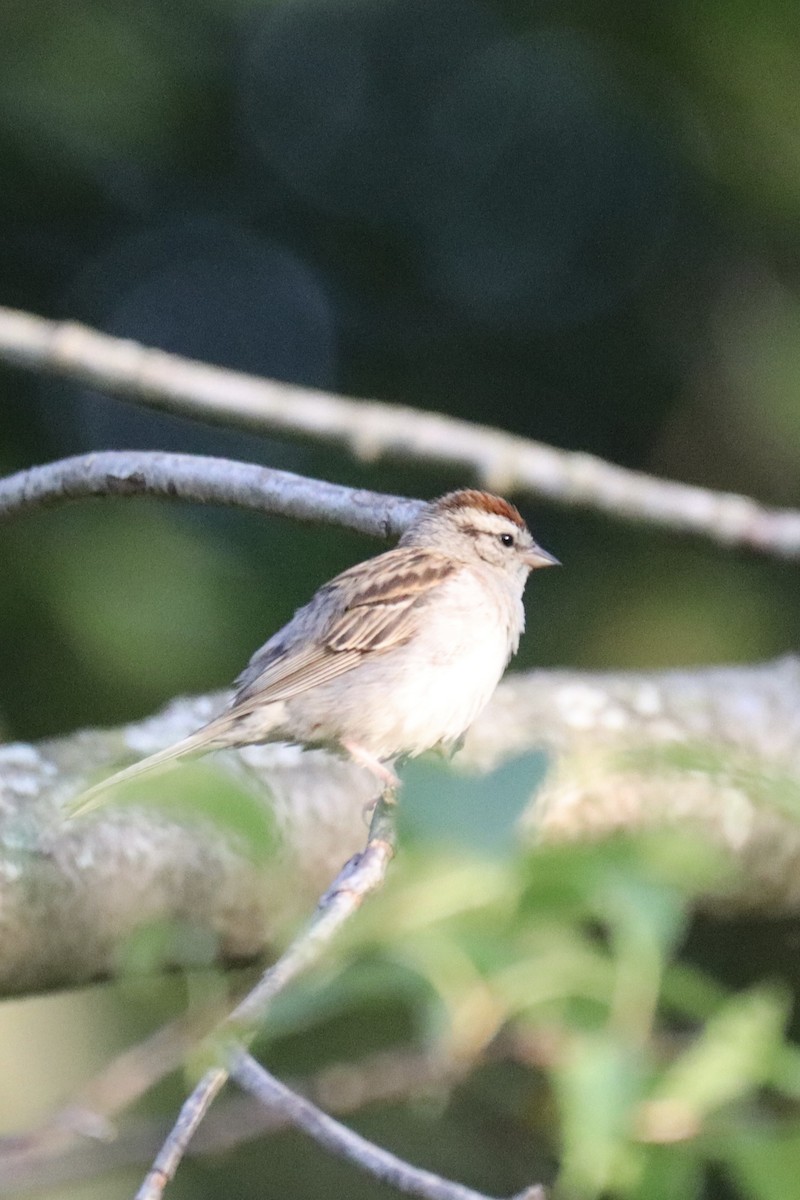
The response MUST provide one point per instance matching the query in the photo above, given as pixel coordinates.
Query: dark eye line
(507, 539)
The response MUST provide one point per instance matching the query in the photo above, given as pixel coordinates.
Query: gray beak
(537, 557)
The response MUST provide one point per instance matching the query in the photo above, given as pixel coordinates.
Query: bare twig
(174, 1148)
(374, 430)
(360, 876)
(204, 480)
(340, 1140)
(39, 1160)
(363, 874)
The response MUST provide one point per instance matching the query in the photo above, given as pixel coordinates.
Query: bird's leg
(374, 765)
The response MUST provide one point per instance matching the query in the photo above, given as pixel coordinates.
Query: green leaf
(668, 1173)
(735, 1053)
(598, 1084)
(763, 1162)
(202, 791)
(157, 944)
(477, 811)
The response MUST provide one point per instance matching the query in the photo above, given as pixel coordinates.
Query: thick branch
(374, 430)
(73, 893)
(715, 750)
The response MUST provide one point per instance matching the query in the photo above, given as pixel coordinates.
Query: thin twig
(389, 1076)
(204, 480)
(363, 874)
(360, 876)
(374, 430)
(340, 1140)
(192, 1112)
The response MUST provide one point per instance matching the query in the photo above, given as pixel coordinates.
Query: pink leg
(373, 765)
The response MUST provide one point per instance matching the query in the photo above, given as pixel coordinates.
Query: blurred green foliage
(565, 962)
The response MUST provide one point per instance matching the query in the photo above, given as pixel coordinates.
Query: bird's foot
(384, 774)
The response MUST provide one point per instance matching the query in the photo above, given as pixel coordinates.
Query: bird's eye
(507, 539)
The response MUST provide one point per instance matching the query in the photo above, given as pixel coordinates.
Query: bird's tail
(207, 738)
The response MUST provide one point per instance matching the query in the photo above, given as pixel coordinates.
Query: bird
(395, 656)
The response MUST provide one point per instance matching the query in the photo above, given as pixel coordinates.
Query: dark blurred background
(577, 222)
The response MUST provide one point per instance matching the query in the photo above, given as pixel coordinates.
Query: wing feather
(377, 614)
(371, 628)
(296, 672)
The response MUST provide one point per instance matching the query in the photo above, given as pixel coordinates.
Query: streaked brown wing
(379, 614)
(407, 571)
(371, 627)
(391, 590)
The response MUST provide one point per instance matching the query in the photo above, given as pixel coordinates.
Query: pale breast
(429, 690)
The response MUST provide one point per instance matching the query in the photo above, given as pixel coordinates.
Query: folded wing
(380, 604)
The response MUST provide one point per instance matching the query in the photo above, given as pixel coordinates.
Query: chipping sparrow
(396, 655)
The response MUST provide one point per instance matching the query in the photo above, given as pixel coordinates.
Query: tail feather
(94, 797)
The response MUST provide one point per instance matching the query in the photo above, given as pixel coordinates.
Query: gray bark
(716, 751)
